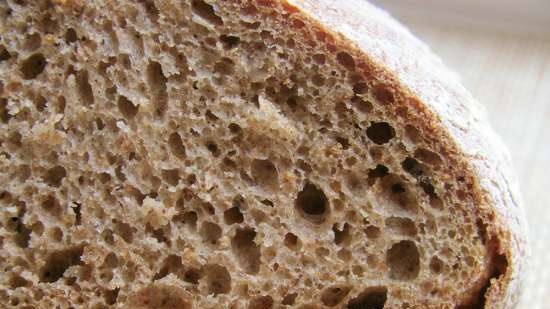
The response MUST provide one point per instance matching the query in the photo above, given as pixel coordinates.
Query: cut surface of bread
(243, 154)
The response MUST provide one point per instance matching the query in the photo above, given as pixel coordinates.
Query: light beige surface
(524, 15)
(510, 74)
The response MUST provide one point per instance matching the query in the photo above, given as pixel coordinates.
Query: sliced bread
(244, 154)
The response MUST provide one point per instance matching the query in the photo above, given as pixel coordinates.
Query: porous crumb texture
(228, 154)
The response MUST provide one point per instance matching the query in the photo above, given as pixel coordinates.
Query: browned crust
(452, 120)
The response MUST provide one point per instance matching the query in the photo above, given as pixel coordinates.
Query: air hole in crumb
(209, 208)
(229, 41)
(4, 111)
(33, 66)
(126, 61)
(127, 108)
(151, 9)
(171, 264)
(291, 241)
(190, 218)
(171, 176)
(412, 133)
(383, 94)
(346, 60)
(351, 161)
(51, 205)
(289, 299)
(14, 301)
(297, 23)
(290, 43)
(17, 281)
(268, 203)
(111, 296)
(318, 80)
(319, 58)
(224, 66)
(428, 188)
(210, 232)
(322, 252)
(15, 139)
(304, 166)
(377, 172)
(412, 166)
(4, 54)
(157, 85)
(234, 128)
(344, 142)
(210, 116)
(342, 237)
(341, 110)
(40, 103)
(354, 182)
(261, 302)
(206, 12)
(159, 234)
(100, 125)
(373, 261)
(218, 279)
(370, 298)
(403, 260)
(56, 234)
(70, 36)
(58, 261)
(124, 230)
(264, 174)
(399, 193)
(104, 177)
(428, 157)
(397, 188)
(159, 296)
(192, 275)
(107, 236)
(84, 88)
(33, 42)
(436, 202)
(360, 88)
(111, 260)
(23, 234)
(436, 265)
(380, 132)
(136, 194)
(372, 232)
(233, 216)
(246, 250)
(344, 254)
(76, 207)
(312, 203)
(213, 148)
(401, 226)
(176, 145)
(333, 295)
(6, 197)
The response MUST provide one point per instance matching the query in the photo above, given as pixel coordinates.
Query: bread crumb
(155, 213)
(268, 120)
(44, 134)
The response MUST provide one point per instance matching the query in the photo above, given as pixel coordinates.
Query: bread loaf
(244, 154)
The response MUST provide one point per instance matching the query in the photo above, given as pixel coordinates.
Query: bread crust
(458, 120)
(368, 42)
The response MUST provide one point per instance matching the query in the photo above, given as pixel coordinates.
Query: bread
(244, 154)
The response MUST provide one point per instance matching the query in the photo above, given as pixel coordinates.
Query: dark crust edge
(475, 149)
